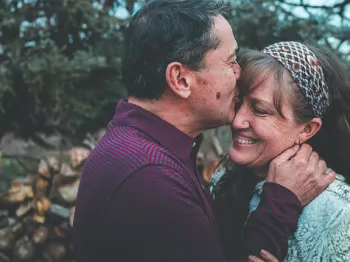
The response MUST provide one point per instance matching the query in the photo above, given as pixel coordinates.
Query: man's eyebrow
(233, 54)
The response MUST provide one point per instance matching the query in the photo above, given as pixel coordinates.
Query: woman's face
(259, 133)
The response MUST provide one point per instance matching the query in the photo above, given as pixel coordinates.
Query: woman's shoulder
(324, 225)
(215, 178)
(217, 175)
(339, 190)
(335, 199)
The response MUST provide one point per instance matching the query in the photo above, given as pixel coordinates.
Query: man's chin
(226, 122)
(221, 121)
(230, 119)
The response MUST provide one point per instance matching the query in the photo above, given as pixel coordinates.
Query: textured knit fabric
(323, 232)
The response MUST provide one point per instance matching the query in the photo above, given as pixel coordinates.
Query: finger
(254, 259)
(304, 152)
(322, 166)
(330, 177)
(268, 256)
(287, 154)
(314, 160)
(327, 178)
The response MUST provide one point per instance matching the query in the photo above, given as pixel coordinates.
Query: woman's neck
(260, 172)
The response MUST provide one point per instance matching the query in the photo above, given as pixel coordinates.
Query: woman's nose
(241, 120)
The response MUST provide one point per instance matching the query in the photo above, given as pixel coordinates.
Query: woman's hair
(332, 142)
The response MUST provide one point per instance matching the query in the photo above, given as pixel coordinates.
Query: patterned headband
(306, 71)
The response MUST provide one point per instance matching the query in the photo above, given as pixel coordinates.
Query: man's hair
(164, 31)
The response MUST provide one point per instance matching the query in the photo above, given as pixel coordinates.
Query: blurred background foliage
(60, 76)
(60, 59)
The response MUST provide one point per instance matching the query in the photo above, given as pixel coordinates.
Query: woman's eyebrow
(267, 103)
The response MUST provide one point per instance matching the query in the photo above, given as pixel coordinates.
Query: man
(141, 197)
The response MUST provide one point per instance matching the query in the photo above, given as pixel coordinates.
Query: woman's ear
(310, 129)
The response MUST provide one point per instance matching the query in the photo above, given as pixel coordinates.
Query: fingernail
(252, 258)
(328, 170)
(296, 146)
(263, 252)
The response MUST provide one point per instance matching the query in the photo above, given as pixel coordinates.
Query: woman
(290, 94)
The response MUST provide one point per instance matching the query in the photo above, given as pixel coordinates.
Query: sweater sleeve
(273, 222)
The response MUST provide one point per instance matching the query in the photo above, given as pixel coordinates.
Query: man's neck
(174, 112)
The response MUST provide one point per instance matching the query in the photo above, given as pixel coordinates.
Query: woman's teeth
(245, 141)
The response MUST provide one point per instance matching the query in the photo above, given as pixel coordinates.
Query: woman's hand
(266, 255)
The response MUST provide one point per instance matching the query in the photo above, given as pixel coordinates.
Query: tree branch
(302, 4)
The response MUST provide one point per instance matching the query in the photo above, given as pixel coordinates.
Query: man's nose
(241, 120)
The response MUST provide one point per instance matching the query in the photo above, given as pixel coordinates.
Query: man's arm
(273, 222)
(158, 214)
(294, 179)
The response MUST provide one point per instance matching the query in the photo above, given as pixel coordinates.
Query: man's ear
(310, 129)
(179, 79)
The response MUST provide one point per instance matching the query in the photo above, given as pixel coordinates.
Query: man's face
(213, 96)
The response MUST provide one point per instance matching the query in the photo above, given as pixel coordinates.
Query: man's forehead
(232, 46)
(233, 52)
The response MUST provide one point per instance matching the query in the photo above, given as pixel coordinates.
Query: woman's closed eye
(259, 111)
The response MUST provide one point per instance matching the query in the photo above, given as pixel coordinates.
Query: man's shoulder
(127, 149)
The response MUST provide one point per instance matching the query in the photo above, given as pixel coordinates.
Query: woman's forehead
(257, 81)
(263, 87)
(268, 80)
